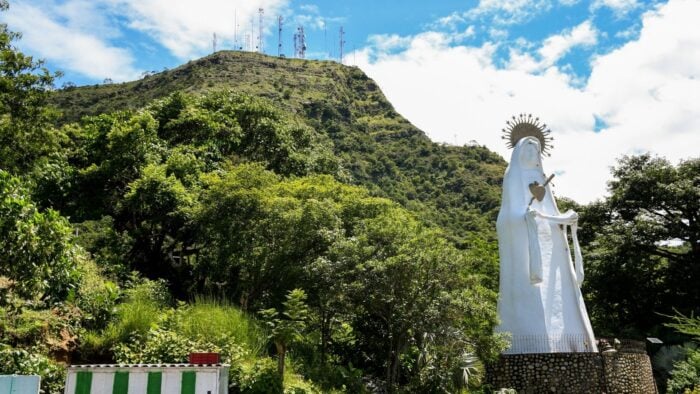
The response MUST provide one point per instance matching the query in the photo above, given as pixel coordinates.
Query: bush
(259, 378)
(133, 320)
(22, 362)
(96, 297)
(685, 375)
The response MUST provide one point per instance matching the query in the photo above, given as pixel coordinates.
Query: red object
(204, 358)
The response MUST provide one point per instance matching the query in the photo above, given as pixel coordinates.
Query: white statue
(540, 302)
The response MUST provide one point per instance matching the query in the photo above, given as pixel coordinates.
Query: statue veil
(540, 302)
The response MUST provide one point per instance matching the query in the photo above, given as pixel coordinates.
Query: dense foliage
(643, 245)
(457, 188)
(230, 195)
(685, 376)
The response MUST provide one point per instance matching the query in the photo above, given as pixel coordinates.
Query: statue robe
(540, 302)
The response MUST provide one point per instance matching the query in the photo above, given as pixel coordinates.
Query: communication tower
(279, 36)
(235, 30)
(300, 43)
(213, 43)
(261, 14)
(342, 44)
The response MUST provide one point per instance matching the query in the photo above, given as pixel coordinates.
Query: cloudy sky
(609, 77)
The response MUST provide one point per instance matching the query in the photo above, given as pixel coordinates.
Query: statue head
(529, 153)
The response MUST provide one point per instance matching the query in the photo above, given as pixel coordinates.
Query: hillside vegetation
(457, 188)
(291, 215)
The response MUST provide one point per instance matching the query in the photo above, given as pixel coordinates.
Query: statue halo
(522, 126)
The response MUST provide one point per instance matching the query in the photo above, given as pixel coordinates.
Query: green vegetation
(280, 212)
(236, 197)
(456, 188)
(642, 246)
(685, 376)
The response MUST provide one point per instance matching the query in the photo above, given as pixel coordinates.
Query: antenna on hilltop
(279, 36)
(300, 43)
(342, 44)
(261, 13)
(213, 43)
(251, 37)
(235, 29)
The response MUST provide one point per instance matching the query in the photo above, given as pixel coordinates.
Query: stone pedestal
(625, 371)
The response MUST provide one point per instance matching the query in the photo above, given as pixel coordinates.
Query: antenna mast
(213, 43)
(261, 13)
(235, 30)
(342, 44)
(300, 43)
(279, 36)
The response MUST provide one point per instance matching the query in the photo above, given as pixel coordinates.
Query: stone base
(627, 372)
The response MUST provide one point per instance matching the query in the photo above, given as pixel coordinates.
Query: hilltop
(456, 187)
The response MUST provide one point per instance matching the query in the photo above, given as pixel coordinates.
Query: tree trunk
(281, 354)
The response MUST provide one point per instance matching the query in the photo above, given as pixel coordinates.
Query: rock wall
(620, 372)
(628, 373)
(549, 373)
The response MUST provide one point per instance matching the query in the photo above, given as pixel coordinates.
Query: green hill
(454, 187)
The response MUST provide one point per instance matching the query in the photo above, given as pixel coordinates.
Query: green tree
(37, 247)
(643, 244)
(155, 211)
(406, 283)
(288, 326)
(26, 131)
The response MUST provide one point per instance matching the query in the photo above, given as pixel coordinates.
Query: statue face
(530, 154)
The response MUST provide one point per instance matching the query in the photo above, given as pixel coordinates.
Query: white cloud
(469, 32)
(185, 27)
(553, 49)
(312, 8)
(646, 92)
(619, 7)
(558, 45)
(66, 43)
(508, 12)
(451, 21)
(388, 42)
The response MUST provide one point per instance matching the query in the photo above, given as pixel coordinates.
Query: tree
(37, 248)
(288, 326)
(407, 283)
(26, 131)
(643, 245)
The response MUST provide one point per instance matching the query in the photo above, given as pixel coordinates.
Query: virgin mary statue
(540, 303)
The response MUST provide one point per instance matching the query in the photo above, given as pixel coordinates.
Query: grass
(211, 318)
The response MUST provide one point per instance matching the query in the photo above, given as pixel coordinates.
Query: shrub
(23, 362)
(685, 375)
(259, 378)
(96, 297)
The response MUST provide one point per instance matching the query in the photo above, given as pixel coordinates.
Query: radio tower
(342, 44)
(279, 36)
(213, 43)
(235, 30)
(261, 13)
(300, 43)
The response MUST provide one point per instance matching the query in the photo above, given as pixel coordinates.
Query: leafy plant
(288, 326)
(23, 362)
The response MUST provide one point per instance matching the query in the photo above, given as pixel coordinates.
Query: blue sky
(124, 28)
(610, 77)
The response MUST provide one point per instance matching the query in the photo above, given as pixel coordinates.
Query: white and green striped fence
(19, 384)
(147, 379)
